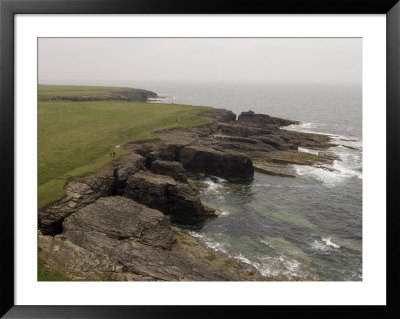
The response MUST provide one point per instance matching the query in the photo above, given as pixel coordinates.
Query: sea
(307, 227)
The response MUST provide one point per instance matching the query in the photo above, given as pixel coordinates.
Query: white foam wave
(290, 264)
(302, 125)
(219, 179)
(266, 267)
(269, 266)
(322, 174)
(347, 148)
(348, 165)
(351, 161)
(211, 185)
(320, 247)
(276, 266)
(307, 150)
(306, 127)
(344, 141)
(324, 246)
(245, 260)
(195, 234)
(216, 246)
(347, 142)
(345, 170)
(164, 98)
(261, 185)
(328, 242)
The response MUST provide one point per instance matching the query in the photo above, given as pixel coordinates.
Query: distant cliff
(125, 94)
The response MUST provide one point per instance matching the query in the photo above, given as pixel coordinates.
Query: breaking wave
(346, 150)
(323, 245)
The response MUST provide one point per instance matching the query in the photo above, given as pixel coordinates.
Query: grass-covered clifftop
(46, 92)
(75, 138)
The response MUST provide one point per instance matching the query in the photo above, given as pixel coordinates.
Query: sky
(115, 61)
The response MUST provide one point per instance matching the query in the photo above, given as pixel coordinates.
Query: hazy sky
(103, 61)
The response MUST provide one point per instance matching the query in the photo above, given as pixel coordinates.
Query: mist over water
(309, 226)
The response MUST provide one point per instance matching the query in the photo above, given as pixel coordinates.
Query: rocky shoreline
(115, 224)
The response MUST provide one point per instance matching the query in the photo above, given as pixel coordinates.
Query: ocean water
(309, 226)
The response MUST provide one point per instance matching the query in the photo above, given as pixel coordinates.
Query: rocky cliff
(116, 223)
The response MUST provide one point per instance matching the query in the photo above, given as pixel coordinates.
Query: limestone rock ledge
(118, 239)
(207, 161)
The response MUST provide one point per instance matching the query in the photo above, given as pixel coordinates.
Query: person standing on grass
(113, 154)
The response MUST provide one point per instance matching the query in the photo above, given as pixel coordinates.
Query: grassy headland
(46, 92)
(75, 138)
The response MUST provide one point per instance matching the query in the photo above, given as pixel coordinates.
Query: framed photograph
(165, 158)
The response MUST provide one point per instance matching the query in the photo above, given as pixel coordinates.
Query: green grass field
(46, 92)
(75, 138)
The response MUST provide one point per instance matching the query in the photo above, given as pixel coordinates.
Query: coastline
(236, 147)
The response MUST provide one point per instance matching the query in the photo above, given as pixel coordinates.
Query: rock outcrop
(233, 149)
(121, 219)
(110, 180)
(158, 151)
(173, 169)
(221, 115)
(262, 119)
(118, 239)
(329, 155)
(173, 198)
(207, 161)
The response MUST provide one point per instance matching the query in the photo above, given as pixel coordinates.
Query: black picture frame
(8, 8)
